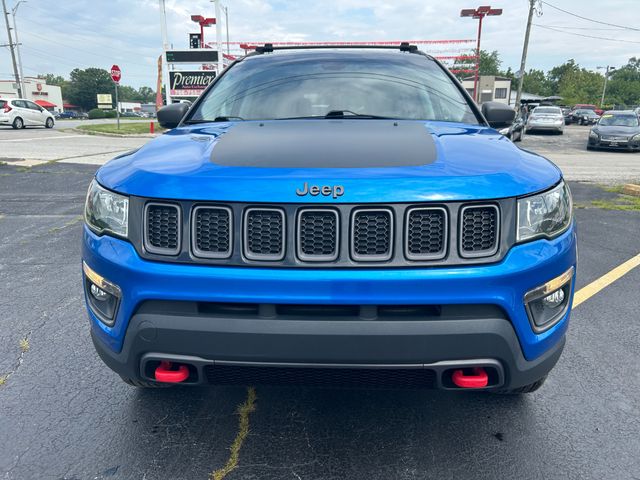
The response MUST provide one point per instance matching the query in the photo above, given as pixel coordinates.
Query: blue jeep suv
(331, 216)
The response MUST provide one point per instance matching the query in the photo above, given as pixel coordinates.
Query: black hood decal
(349, 143)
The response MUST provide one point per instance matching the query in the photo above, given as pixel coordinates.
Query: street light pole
(218, 37)
(226, 24)
(14, 10)
(479, 14)
(165, 47)
(11, 47)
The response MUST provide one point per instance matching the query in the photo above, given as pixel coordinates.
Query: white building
(129, 107)
(36, 90)
(492, 88)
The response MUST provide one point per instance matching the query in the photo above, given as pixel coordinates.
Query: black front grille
(264, 234)
(318, 235)
(479, 231)
(162, 225)
(426, 233)
(372, 235)
(321, 377)
(212, 232)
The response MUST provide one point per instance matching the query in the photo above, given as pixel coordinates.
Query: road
(64, 415)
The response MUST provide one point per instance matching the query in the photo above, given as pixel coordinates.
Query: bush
(110, 114)
(96, 113)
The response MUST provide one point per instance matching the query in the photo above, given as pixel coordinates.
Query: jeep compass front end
(331, 216)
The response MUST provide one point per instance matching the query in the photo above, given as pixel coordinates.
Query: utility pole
(14, 10)
(11, 47)
(226, 24)
(165, 47)
(524, 54)
(219, 37)
(606, 77)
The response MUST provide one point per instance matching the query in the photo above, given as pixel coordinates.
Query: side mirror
(498, 114)
(171, 115)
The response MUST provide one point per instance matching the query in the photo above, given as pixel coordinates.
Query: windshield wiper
(217, 119)
(339, 114)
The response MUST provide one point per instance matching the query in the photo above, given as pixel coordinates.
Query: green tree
(624, 84)
(490, 63)
(147, 95)
(86, 84)
(536, 82)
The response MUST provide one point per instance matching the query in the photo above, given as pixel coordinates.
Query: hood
(372, 160)
(616, 130)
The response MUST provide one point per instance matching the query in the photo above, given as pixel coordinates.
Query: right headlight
(546, 214)
(593, 135)
(106, 211)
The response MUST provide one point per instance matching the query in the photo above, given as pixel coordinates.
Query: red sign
(116, 73)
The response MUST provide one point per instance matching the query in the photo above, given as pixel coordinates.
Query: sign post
(116, 75)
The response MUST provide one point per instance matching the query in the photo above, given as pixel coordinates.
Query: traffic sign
(116, 73)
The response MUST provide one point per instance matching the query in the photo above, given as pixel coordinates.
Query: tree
(86, 84)
(536, 82)
(490, 63)
(147, 95)
(624, 84)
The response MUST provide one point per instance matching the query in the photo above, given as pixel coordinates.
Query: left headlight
(106, 211)
(546, 214)
(636, 138)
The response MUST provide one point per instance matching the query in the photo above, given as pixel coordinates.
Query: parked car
(364, 226)
(71, 115)
(617, 130)
(588, 106)
(515, 131)
(584, 117)
(566, 113)
(548, 119)
(22, 113)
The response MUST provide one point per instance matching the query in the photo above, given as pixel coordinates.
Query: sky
(60, 35)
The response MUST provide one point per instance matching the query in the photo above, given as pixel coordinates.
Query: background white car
(547, 118)
(21, 113)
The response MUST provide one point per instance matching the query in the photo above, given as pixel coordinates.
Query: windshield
(619, 121)
(547, 111)
(345, 84)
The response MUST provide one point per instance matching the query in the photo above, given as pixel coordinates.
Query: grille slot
(426, 233)
(479, 231)
(264, 237)
(321, 377)
(318, 235)
(162, 228)
(212, 232)
(372, 235)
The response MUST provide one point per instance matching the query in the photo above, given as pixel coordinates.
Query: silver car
(546, 118)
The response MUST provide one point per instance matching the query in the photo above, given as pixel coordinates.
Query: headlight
(504, 131)
(106, 211)
(544, 215)
(636, 138)
(593, 135)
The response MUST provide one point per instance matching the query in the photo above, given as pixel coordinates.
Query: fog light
(554, 300)
(547, 304)
(103, 296)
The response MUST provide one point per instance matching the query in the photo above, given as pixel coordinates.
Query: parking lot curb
(631, 189)
(117, 135)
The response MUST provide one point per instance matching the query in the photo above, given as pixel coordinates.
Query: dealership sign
(189, 84)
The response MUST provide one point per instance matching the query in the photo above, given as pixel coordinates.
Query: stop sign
(116, 73)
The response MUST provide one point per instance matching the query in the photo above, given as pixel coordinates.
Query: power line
(582, 35)
(591, 19)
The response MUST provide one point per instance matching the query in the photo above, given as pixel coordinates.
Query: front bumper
(628, 145)
(545, 126)
(507, 338)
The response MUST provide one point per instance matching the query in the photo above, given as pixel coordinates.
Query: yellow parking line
(585, 293)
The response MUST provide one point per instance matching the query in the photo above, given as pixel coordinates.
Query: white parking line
(41, 138)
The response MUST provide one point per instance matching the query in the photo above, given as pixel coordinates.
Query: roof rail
(403, 47)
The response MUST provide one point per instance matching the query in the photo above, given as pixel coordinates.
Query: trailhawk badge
(335, 191)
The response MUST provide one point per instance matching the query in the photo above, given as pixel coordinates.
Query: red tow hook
(165, 374)
(478, 379)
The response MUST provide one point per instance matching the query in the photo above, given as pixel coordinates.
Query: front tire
(18, 123)
(48, 123)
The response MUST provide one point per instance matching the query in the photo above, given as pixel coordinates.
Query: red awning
(45, 104)
(70, 105)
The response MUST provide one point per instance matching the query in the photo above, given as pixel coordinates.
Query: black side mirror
(171, 115)
(498, 114)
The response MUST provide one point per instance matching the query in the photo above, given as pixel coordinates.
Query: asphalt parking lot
(64, 415)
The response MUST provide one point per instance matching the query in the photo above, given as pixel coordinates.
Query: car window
(19, 103)
(548, 111)
(32, 106)
(2, 103)
(618, 121)
(291, 86)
